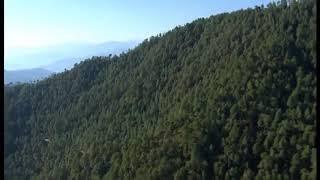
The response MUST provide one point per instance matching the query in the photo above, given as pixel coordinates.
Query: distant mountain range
(30, 64)
(27, 75)
(58, 58)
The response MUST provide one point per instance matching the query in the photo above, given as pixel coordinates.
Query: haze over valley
(55, 59)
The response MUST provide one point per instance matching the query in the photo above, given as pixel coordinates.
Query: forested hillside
(232, 96)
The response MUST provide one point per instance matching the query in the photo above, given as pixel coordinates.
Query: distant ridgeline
(232, 96)
(25, 75)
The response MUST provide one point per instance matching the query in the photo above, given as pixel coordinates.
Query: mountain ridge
(25, 75)
(27, 58)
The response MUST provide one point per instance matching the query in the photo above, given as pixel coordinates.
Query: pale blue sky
(38, 23)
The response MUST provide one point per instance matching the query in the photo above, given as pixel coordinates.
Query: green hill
(232, 96)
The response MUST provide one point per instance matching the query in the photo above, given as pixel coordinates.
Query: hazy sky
(34, 23)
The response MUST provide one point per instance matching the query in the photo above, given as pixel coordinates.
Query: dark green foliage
(228, 97)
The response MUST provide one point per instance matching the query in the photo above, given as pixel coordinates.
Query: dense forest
(231, 96)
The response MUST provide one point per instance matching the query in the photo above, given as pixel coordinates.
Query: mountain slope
(227, 97)
(25, 75)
